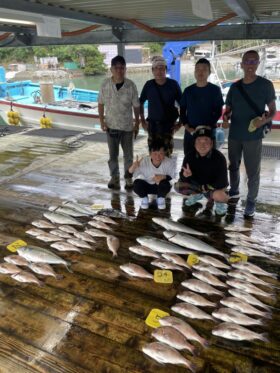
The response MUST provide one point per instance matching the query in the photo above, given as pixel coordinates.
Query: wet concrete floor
(93, 320)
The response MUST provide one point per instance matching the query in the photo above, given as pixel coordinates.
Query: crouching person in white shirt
(153, 174)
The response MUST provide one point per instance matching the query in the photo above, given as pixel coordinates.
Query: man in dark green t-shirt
(246, 127)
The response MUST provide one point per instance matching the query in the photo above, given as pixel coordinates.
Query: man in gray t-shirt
(246, 126)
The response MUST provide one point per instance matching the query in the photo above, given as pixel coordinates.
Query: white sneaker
(161, 203)
(145, 203)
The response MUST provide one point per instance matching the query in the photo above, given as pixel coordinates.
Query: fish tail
(114, 255)
(204, 342)
(264, 337)
(190, 366)
(267, 315)
(68, 269)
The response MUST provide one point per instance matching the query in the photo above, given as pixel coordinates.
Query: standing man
(201, 103)
(118, 95)
(243, 138)
(161, 94)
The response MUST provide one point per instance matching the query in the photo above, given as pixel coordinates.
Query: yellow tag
(192, 260)
(97, 206)
(163, 276)
(154, 316)
(238, 257)
(16, 245)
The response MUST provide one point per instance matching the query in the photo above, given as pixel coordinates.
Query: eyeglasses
(251, 62)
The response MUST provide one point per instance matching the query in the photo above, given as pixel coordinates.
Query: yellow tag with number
(163, 276)
(192, 260)
(14, 246)
(238, 257)
(97, 206)
(154, 316)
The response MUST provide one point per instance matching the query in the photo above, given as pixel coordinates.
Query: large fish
(176, 259)
(183, 328)
(28, 277)
(173, 338)
(39, 255)
(246, 244)
(253, 268)
(250, 252)
(237, 228)
(43, 224)
(192, 243)
(249, 288)
(207, 259)
(177, 227)
(247, 276)
(231, 315)
(209, 278)
(195, 299)
(166, 355)
(165, 264)
(200, 287)
(191, 311)
(143, 251)
(67, 211)
(243, 295)
(135, 270)
(209, 268)
(243, 237)
(238, 305)
(78, 207)
(55, 217)
(237, 333)
(162, 246)
(9, 268)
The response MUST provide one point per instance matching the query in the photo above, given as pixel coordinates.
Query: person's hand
(260, 121)
(136, 129)
(145, 124)
(226, 118)
(189, 129)
(104, 126)
(158, 178)
(176, 127)
(187, 171)
(135, 164)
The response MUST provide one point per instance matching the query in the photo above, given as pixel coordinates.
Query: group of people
(204, 168)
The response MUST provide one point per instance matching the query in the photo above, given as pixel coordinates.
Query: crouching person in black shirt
(204, 173)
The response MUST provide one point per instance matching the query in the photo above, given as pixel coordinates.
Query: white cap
(158, 61)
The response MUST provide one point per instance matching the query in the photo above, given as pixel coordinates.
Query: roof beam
(54, 11)
(241, 8)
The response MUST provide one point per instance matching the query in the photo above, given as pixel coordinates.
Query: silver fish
(55, 217)
(135, 270)
(43, 224)
(246, 244)
(172, 337)
(35, 232)
(165, 264)
(48, 237)
(16, 259)
(192, 243)
(28, 277)
(96, 232)
(79, 243)
(191, 311)
(67, 229)
(60, 233)
(84, 236)
(247, 276)
(200, 287)
(44, 269)
(249, 288)
(237, 333)
(99, 225)
(177, 227)
(238, 305)
(39, 255)
(9, 268)
(249, 252)
(166, 355)
(209, 268)
(176, 259)
(237, 228)
(183, 328)
(231, 315)
(105, 219)
(243, 295)
(65, 246)
(113, 244)
(143, 251)
(253, 268)
(195, 299)
(79, 207)
(243, 237)
(207, 259)
(161, 246)
(208, 278)
(67, 211)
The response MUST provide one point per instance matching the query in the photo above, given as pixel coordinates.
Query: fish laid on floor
(55, 217)
(39, 255)
(191, 311)
(243, 237)
(43, 224)
(165, 264)
(79, 243)
(135, 270)
(192, 243)
(84, 236)
(105, 219)
(162, 246)
(94, 232)
(67, 229)
(67, 211)
(243, 295)
(143, 251)
(250, 252)
(65, 246)
(247, 276)
(249, 288)
(172, 337)
(78, 207)
(237, 333)
(195, 299)
(176, 259)
(35, 232)
(113, 213)
(113, 244)
(48, 237)
(253, 268)
(9, 268)
(166, 355)
(177, 227)
(200, 287)
(246, 244)
(209, 268)
(209, 278)
(45, 270)
(99, 225)
(231, 315)
(28, 277)
(241, 306)
(183, 328)
(236, 228)
(207, 259)
(16, 259)
(60, 233)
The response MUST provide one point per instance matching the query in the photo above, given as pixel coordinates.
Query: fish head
(169, 234)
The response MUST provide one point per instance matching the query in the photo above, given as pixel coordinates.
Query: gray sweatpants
(114, 140)
(252, 151)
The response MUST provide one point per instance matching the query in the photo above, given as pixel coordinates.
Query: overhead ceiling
(130, 21)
